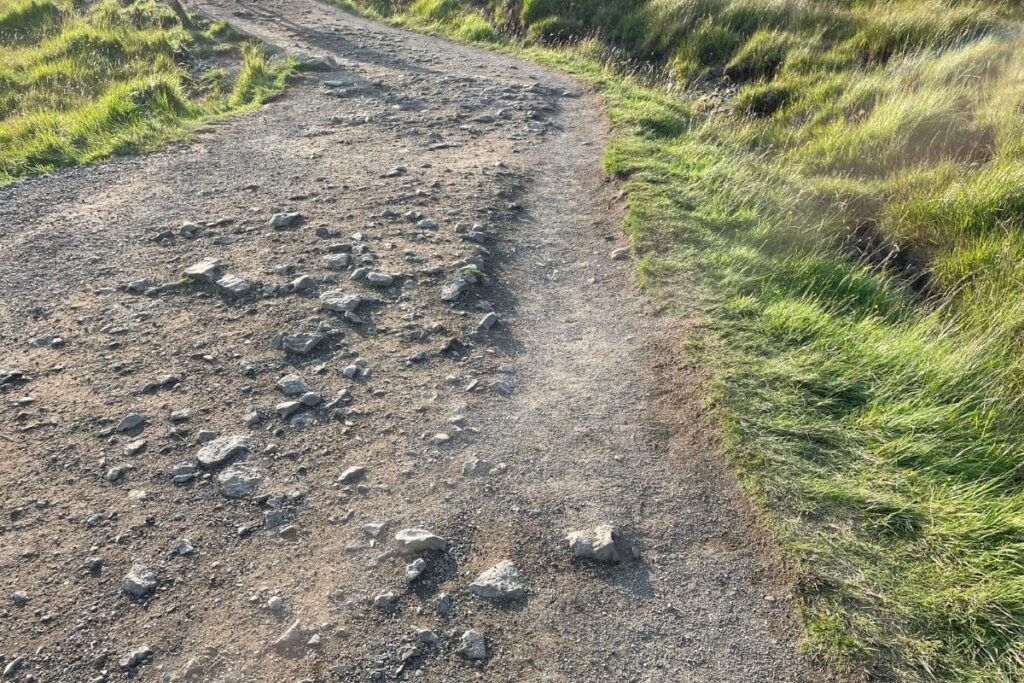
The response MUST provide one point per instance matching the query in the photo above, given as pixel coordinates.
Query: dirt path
(572, 411)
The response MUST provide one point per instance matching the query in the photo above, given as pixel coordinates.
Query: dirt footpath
(233, 372)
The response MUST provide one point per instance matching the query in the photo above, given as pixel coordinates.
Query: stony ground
(236, 374)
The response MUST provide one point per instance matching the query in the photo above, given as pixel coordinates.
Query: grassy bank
(82, 81)
(842, 182)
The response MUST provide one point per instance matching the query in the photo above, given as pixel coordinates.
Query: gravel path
(404, 172)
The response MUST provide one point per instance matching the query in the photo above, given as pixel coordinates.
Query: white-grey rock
(190, 229)
(292, 642)
(444, 605)
(138, 656)
(417, 541)
(474, 645)
(303, 283)
(337, 261)
(337, 301)
(282, 221)
(193, 671)
(292, 385)
(287, 408)
(233, 286)
(385, 600)
(239, 481)
(140, 581)
(300, 344)
(14, 666)
(376, 279)
(500, 582)
(453, 290)
(183, 472)
(208, 270)
(487, 322)
(373, 529)
(139, 286)
(135, 447)
(596, 544)
(352, 475)
(130, 422)
(221, 451)
(415, 568)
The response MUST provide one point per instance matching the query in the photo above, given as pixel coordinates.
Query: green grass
(838, 187)
(83, 82)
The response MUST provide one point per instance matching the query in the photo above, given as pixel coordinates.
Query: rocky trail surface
(358, 388)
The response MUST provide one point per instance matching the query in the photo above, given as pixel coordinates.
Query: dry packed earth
(236, 374)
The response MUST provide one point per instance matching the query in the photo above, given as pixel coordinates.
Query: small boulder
(417, 541)
(208, 270)
(500, 582)
(352, 475)
(136, 657)
(221, 451)
(140, 581)
(292, 385)
(474, 645)
(283, 221)
(233, 287)
(239, 481)
(595, 544)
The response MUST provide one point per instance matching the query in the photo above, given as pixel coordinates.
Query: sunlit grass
(82, 84)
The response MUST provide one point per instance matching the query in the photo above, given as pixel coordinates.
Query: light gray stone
(474, 645)
(376, 279)
(337, 261)
(500, 582)
(338, 301)
(283, 221)
(415, 568)
(239, 481)
(488, 321)
(352, 475)
(300, 344)
(208, 270)
(233, 286)
(417, 541)
(292, 385)
(140, 581)
(130, 422)
(453, 290)
(595, 544)
(223, 450)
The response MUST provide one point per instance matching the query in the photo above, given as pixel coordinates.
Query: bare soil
(579, 397)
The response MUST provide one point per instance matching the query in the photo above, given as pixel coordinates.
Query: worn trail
(234, 371)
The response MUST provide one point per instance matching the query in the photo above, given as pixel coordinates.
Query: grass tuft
(85, 81)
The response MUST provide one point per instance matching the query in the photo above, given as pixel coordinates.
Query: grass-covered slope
(86, 80)
(842, 182)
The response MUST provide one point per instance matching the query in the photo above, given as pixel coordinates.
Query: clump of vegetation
(84, 81)
(843, 183)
